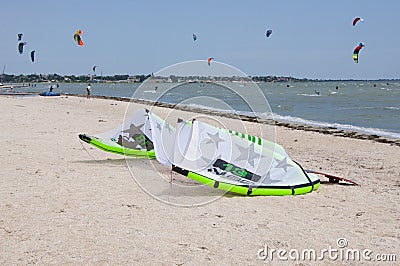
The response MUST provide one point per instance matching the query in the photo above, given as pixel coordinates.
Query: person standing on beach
(88, 91)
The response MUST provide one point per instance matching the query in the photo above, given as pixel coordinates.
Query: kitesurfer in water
(88, 91)
(317, 92)
(51, 88)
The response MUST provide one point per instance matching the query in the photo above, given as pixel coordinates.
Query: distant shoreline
(55, 78)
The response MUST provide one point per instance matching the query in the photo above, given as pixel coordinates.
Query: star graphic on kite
(168, 127)
(214, 138)
(158, 126)
(248, 153)
(283, 164)
(207, 151)
(133, 130)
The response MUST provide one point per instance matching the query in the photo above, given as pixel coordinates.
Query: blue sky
(311, 39)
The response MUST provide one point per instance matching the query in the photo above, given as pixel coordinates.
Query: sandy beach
(59, 206)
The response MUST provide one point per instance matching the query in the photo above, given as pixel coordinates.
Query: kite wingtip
(84, 137)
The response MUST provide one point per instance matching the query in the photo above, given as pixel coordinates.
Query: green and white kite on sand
(236, 162)
(222, 159)
(133, 140)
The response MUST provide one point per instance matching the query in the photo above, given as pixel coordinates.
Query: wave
(391, 108)
(368, 107)
(309, 95)
(200, 106)
(366, 130)
(356, 108)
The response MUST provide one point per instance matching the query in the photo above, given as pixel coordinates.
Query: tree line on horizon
(37, 78)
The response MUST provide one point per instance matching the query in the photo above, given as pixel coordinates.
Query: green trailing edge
(257, 191)
(116, 148)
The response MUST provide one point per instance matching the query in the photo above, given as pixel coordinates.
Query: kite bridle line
(94, 159)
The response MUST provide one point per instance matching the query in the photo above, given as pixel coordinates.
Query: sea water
(371, 107)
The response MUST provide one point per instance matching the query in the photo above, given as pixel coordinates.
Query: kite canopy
(268, 33)
(222, 159)
(209, 60)
(237, 162)
(194, 37)
(21, 47)
(131, 140)
(357, 19)
(356, 51)
(20, 36)
(77, 38)
(33, 56)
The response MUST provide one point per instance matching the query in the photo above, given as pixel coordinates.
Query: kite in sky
(21, 47)
(356, 51)
(77, 37)
(357, 19)
(33, 56)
